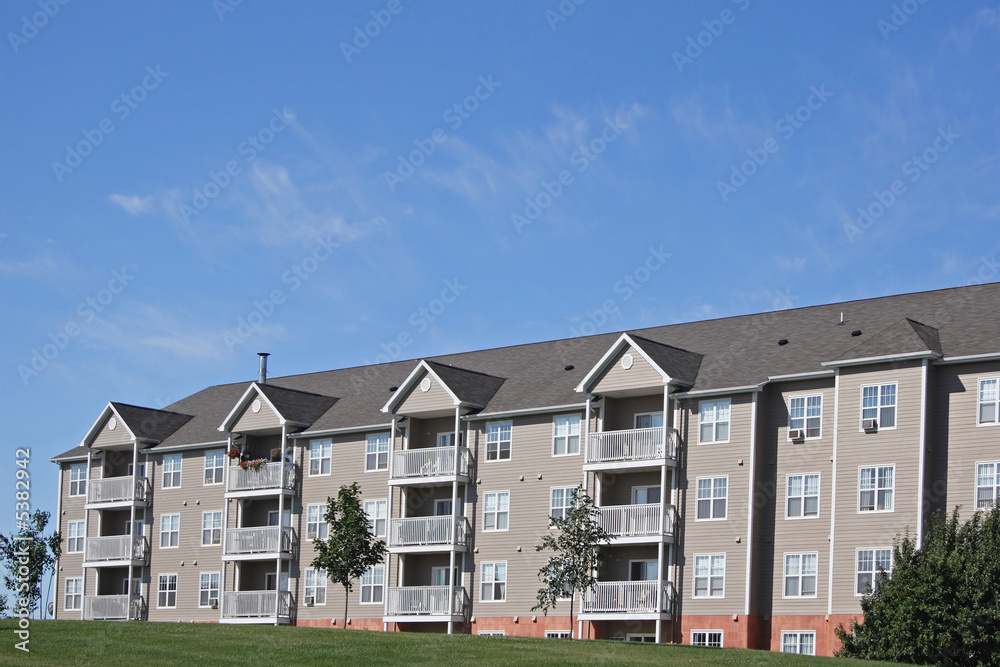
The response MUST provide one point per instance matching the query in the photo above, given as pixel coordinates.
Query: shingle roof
(679, 364)
(469, 386)
(295, 405)
(905, 336)
(150, 424)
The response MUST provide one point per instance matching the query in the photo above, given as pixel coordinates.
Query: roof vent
(841, 317)
(856, 332)
(569, 367)
(393, 388)
(262, 377)
(783, 341)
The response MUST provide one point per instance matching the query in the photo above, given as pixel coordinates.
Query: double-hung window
(372, 584)
(987, 484)
(78, 479)
(208, 589)
(562, 499)
(713, 421)
(215, 466)
(873, 564)
(806, 413)
(166, 591)
(799, 642)
(376, 510)
(170, 530)
(172, 471)
(211, 528)
(496, 510)
(74, 543)
(878, 402)
(74, 593)
(498, 440)
(989, 401)
(875, 488)
(800, 575)
(710, 638)
(493, 582)
(316, 586)
(377, 452)
(710, 575)
(320, 452)
(803, 496)
(712, 495)
(316, 527)
(565, 435)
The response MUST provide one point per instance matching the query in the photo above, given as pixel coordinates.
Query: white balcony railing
(258, 540)
(636, 520)
(256, 604)
(634, 597)
(429, 531)
(272, 476)
(635, 444)
(425, 601)
(116, 547)
(113, 608)
(118, 489)
(430, 462)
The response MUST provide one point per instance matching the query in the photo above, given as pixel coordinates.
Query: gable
(435, 399)
(108, 437)
(263, 418)
(640, 375)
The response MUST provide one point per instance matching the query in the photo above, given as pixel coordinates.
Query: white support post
(131, 523)
(225, 526)
(454, 511)
(281, 532)
(585, 446)
(388, 523)
(660, 562)
(86, 525)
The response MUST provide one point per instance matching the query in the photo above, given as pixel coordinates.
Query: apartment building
(753, 472)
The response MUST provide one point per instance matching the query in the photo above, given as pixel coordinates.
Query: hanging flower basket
(253, 464)
(234, 453)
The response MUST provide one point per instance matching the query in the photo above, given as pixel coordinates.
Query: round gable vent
(425, 384)
(627, 361)
(255, 406)
(112, 424)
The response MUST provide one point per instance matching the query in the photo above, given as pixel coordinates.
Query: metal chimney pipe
(262, 377)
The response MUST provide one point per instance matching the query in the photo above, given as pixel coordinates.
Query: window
(800, 575)
(875, 485)
(136, 588)
(640, 637)
(74, 544)
(166, 596)
(316, 585)
(989, 401)
(377, 452)
(215, 466)
(442, 507)
(172, 471)
(272, 518)
(878, 402)
(319, 457)
(444, 439)
(565, 435)
(498, 438)
(645, 495)
(170, 530)
(316, 527)
(806, 413)
(494, 582)
(211, 528)
(803, 497)
(710, 638)
(496, 510)
(491, 633)
(271, 581)
(78, 479)
(798, 642)
(439, 576)
(372, 582)
(642, 570)
(376, 511)
(208, 589)
(712, 494)
(142, 470)
(74, 594)
(557, 634)
(140, 522)
(649, 420)
(873, 564)
(987, 484)
(714, 421)
(710, 576)
(563, 498)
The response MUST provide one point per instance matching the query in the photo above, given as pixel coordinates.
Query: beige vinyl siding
(855, 449)
(619, 414)
(435, 398)
(70, 565)
(252, 421)
(640, 376)
(108, 438)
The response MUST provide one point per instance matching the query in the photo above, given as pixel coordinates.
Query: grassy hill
(107, 644)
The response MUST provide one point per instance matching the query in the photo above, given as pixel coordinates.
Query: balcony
(118, 492)
(256, 607)
(258, 543)
(272, 479)
(610, 600)
(425, 603)
(631, 448)
(113, 608)
(116, 551)
(634, 524)
(435, 533)
(430, 465)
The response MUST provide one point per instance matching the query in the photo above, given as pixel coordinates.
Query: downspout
(833, 483)
(660, 547)
(55, 594)
(86, 529)
(131, 523)
(225, 530)
(281, 525)
(923, 453)
(388, 524)
(750, 508)
(454, 509)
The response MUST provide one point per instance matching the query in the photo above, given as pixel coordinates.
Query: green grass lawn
(105, 644)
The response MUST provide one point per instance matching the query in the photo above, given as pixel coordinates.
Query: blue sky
(186, 184)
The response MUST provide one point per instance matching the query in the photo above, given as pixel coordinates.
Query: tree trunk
(572, 599)
(347, 597)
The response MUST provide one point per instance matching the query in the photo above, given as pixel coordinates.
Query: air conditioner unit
(869, 424)
(215, 603)
(796, 434)
(310, 600)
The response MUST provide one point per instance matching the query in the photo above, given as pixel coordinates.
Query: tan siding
(108, 438)
(435, 398)
(250, 421)
(620, 412)
(640, 376)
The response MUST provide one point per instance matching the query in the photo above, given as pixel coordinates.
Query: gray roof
(297, 406)
(150, 424)
(681, 365)
(469, 386)
(734, 352)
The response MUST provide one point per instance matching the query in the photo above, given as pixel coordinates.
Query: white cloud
(132, 204)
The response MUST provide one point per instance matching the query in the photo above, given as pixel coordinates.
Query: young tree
(350, 548)
(29, 548)
(576, 558)
(941, 605)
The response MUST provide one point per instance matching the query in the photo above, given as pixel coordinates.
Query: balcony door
(272, 518)
(644, 495)
(270, 578)
(649, 419)
(439, 576)
(642, 570)
(443, 507)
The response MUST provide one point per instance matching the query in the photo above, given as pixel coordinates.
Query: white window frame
(646, 563)
(799, 635)
(316, 526)
(78, 479)
(494, 441)
(167, 521)
(381, 514)
(377, 446)
(496, 511)
(73, 596)
(491, 633)
(713, 483)
(652, 418)
(442, 507)
(173, 466)
(640, 637)
(995, 402)
(215, 528)
(802, 496)
(877, 489)
(448, 438)
(217, 459)
(211, 578)
(561, 498)
(440, 572)
(557, 634)
(879, 406)
(320, 452)
(371, 581)
(705, 640)
(564, 429)
(806, 416)
(647, 488)
(800, 574)
(317, 586)
(272, 518)
(493, 581)
(161, 590)
(716, 421)
(994, 485)
(76, 537)
(886, 551)
(711, 559)
(140, 520)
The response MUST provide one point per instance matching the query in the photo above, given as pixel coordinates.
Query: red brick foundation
(744, 632)
(827, 642)
(524, 627)
(338, 623)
